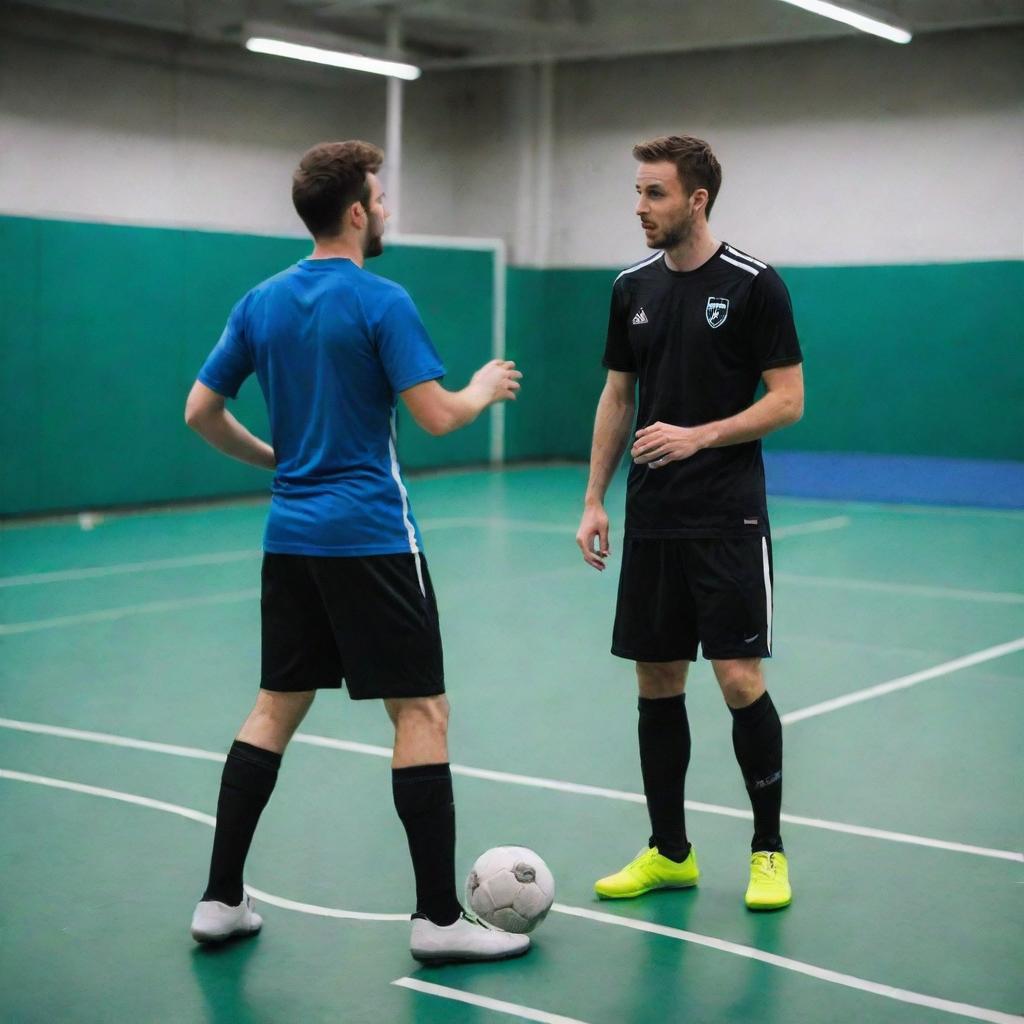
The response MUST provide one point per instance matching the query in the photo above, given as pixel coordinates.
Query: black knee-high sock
(245, 787)
(664, 732)
(426, 806)
(757, 740)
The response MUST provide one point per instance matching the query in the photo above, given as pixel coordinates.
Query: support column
(393, 130)
(535, 118)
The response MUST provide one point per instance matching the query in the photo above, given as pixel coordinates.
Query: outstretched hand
(497, 381)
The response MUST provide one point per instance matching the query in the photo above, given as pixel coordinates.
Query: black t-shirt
(698, 343)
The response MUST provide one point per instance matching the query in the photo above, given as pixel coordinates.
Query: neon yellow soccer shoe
(769, 882)
(647, 871)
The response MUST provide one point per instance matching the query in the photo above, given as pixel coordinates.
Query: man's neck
(341, 247)
(694, 252)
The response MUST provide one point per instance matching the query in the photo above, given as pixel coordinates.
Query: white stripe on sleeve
(640, 266)
(743, 266)
(736, 252)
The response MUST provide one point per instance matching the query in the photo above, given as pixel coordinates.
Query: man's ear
(356, 216)
(700, 200)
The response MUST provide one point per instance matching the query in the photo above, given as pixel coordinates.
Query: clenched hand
(661, 443)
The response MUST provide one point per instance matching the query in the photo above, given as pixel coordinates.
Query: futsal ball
(511, 888)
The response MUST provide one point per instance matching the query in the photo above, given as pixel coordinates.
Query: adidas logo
(641, 317)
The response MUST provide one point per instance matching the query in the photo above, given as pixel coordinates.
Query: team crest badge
(716, 311)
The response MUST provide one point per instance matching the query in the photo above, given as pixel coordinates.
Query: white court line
(94, 572)
(908, 589)
(230, 597)
(111, 740)
(449, 523)
(498, 1005)
(177, 604)
(708, 941)
(814, 526)
(112, 614)
(901, 995)
(954, 511)
(569, 529)
(999, 651)
(498, 523)
(225, 557)
(110, 794)
(732, 812)
(318, 911)
(508, 778)
(349, 745)
(204, 819)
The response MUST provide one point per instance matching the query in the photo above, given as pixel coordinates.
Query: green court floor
(129, 654)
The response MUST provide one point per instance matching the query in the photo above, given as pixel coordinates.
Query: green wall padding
(454, 291)
(102, 331)
(911, 360)
(556, 327)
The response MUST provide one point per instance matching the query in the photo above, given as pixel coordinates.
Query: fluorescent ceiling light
(335, 58)
(848, 17)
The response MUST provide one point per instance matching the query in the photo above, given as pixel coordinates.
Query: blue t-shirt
(331, 345)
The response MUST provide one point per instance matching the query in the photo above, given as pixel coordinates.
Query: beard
(674, 235)
(374, 243)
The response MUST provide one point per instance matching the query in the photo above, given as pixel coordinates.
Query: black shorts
(370, 621)
(677, 592)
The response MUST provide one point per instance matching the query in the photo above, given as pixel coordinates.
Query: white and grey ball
(511, 888)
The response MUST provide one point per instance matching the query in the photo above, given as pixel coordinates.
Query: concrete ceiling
(453, 33)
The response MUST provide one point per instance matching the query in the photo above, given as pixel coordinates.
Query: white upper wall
(134, 140)
(853, 151)
(836, 152)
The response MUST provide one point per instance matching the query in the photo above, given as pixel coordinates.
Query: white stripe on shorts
(767, 589)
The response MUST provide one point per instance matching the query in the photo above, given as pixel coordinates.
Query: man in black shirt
(698, 325)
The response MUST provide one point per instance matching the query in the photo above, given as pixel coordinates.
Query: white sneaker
(467, 939)
(215, 922)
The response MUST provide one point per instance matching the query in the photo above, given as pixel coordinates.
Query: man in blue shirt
(346, 592)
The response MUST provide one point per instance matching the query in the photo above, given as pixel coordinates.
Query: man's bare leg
(274, 719)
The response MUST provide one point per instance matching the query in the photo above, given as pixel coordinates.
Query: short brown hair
(330, 178)
(696, 165)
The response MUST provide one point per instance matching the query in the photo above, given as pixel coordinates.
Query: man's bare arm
(611, 432)
(781, 405)
(206, 414)
(439, 411)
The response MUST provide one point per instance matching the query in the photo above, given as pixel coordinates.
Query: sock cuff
(659, 706)
(251, 770)
(257, 756)
(421, 773)
(754, 712)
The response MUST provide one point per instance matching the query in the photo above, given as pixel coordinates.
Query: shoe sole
(641, 892)
(760, 907)
(447, 958)
(206, 938)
